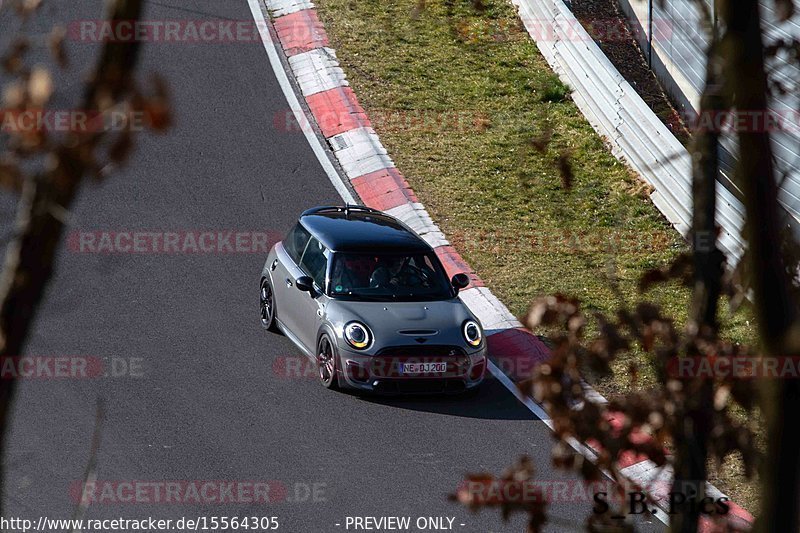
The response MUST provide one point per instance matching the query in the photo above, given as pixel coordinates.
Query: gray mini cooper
(368, 300)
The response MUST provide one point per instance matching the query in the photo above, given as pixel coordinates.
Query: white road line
(534, 407)
(294, 104)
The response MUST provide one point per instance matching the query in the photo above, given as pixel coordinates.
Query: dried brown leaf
(565, 171)
(122, 148)
(784, 9)
(10, 175)
(14, 95)
(541, 142)
(40, 87)
(13, 60)
(56, 44)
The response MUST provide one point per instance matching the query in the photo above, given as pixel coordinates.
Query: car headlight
(357, 335)
(472, 333)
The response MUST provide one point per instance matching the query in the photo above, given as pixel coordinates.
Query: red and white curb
(380, 185)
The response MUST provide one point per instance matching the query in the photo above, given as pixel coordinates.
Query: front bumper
(381, 374)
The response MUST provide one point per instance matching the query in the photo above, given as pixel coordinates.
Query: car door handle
(288, 282)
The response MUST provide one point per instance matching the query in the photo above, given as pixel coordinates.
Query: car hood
(388, 319)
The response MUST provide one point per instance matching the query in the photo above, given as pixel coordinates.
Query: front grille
(414, 350)
(386, 364)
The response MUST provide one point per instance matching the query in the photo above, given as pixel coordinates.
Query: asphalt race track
(203, 392)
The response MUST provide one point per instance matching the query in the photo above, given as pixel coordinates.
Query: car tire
(326, 363)
(266, 298)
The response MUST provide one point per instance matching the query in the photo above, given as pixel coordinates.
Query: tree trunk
(776, 312)
(691, 440)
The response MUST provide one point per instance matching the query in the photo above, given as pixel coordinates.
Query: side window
(295, 242)
(314, 262)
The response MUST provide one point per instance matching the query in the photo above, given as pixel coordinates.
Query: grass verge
(486, 135)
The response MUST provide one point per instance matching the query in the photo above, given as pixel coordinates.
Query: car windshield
(389, 277)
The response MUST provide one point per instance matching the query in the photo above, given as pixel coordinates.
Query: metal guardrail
(618, 113)
(675, 43)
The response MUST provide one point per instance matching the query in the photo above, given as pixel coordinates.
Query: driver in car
(397, 273)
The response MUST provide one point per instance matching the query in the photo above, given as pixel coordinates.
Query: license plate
(423, 368)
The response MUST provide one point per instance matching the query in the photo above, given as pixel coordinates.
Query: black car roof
(361, 229)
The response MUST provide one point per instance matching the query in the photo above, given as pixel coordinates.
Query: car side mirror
(460, 281)
(304, 283)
